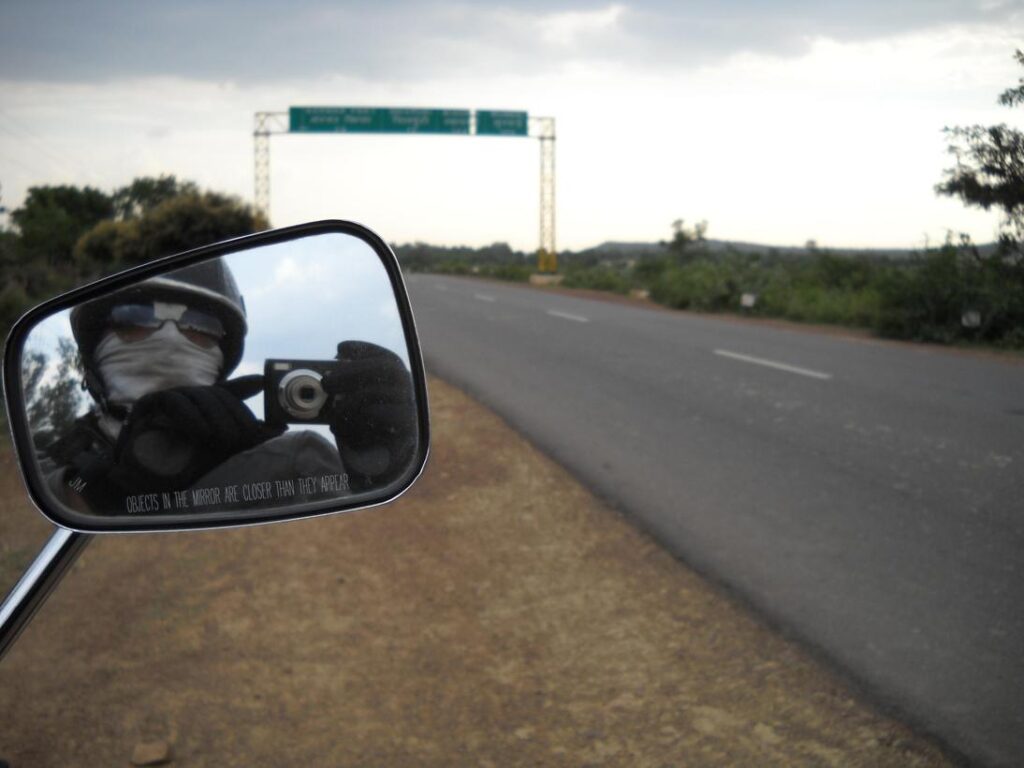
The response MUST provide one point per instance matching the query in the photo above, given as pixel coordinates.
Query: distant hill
(640, 249)
(622, 247)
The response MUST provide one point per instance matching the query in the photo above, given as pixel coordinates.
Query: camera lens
(301, 394)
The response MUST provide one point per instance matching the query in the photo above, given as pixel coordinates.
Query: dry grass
(497, 615)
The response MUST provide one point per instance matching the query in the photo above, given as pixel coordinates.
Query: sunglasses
(134, 322)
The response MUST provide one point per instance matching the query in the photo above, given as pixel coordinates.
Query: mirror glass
(258, 381)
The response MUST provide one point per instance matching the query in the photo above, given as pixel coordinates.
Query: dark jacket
(294, 467)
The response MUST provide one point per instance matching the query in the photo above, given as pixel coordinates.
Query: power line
(34, 171)
(24, 134)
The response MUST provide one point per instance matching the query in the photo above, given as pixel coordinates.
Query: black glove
(373, 412)
(175, 436)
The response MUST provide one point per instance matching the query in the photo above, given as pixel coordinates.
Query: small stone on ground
(151, 753)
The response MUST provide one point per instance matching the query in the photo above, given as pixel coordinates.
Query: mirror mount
(40, 578)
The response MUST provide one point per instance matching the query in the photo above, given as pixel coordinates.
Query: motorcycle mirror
(270, 377)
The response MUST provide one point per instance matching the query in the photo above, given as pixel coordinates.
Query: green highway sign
(494, 123)
(377, 120)
(489, 122)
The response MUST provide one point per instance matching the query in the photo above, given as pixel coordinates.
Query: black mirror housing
(270, 377)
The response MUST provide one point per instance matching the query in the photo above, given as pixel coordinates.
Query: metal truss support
(542, 128)
(547, 254)
(266, 123)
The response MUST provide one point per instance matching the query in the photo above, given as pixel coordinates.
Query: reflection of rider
(156, 359)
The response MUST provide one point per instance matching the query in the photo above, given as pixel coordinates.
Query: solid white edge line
(567, 316)
(773, 364)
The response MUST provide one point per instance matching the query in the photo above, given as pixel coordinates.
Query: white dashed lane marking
(568, 316)
(773, 364)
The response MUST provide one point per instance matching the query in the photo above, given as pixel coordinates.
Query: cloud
(767, 146)
(570, 27)
(264, 41)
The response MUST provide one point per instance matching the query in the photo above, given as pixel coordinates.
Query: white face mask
(160, 361)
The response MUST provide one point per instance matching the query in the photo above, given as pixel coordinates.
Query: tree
(990, 172)
(8, 251)
(192, 220)
(684, 238)
(146, 193)
(52, 218)
(175, 224)
(54, 400)
(48, 224)
(106, 248)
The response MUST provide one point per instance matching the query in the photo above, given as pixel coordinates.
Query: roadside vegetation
(956, 293)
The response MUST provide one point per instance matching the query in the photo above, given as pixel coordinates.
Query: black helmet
(208, 285)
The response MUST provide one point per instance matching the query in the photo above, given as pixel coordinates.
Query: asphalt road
(866, 497)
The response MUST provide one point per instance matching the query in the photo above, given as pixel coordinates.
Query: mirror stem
(36, 583)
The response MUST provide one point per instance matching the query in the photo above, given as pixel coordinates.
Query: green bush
(703, 285)
(597, 279)
(926, 300)
(646, 272)
(515, 272)
(1013, 339)
(452, 268)
(922, 299)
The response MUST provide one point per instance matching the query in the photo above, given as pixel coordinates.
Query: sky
(776, 122)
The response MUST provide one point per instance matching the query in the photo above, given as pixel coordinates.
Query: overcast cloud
(775, 121)
(262, 40)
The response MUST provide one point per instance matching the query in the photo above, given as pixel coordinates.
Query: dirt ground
(498, 615)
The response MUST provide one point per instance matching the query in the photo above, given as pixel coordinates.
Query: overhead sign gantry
(481, 122)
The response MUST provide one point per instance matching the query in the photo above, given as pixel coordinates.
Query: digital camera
(293, 392)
